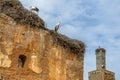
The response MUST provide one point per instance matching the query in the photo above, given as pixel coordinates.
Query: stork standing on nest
(57, 26)
(34, 9)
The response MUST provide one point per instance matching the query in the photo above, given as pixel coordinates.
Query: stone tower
(101, 73)
(100, 58)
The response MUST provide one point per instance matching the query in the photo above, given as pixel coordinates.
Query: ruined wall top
(15, 10)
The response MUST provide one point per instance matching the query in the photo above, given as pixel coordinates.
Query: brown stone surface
(101, 75)
(29, 52)
(108, 75)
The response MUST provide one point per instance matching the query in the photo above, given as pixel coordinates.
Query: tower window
(21, 61)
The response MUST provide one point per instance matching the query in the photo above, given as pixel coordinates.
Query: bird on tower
(102, 66)
(57, 26)
(34, 9)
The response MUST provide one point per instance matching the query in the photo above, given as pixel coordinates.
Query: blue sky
(95, 22)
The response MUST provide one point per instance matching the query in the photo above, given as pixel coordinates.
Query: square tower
(100, 59)
(101, 73)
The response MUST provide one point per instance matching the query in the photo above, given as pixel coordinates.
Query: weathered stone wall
(108, 75)
(101, 75)
(42, 58)
(96, 75)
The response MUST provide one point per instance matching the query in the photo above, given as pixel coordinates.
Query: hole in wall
(21, 61)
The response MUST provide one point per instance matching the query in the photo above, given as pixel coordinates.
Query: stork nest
(15, 10)
(77, 47)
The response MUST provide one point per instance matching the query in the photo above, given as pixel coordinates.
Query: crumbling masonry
(29, 51)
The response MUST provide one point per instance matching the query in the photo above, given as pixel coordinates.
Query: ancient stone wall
(108, 75)
(29, 53)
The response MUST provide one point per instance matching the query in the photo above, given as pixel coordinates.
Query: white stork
(34, 9)
(57, 26)
(103, 66)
